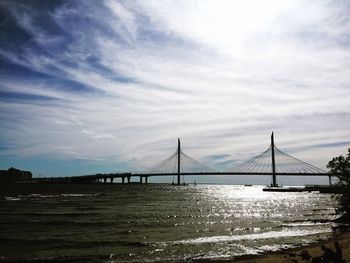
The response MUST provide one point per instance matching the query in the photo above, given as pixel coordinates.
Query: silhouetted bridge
(271, 162)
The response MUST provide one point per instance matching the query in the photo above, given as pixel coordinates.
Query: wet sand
(292, 255)
(285, 256)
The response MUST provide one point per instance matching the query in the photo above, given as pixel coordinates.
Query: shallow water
(160, 223)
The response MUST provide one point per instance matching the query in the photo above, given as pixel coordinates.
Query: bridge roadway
(109, 178)
(182, 162)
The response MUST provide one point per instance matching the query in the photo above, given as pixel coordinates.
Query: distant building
(14, 175)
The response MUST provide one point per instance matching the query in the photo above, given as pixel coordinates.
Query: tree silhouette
(340, 168)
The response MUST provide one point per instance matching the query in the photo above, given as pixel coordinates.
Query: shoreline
(284, 255)
(293, 254)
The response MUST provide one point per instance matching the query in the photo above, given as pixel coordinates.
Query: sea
(158, 223)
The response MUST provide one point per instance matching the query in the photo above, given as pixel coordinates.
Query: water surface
(132, 223)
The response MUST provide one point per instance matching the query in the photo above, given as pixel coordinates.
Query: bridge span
(272, 162)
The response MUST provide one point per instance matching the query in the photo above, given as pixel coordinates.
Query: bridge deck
(231, 173)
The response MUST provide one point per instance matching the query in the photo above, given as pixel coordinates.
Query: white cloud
(221, 75)
(96, 135)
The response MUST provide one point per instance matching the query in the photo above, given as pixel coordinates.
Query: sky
(109, 86)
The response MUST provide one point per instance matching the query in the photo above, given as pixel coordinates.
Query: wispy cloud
(126, 78)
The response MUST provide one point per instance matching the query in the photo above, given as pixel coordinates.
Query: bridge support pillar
(330, 180)
(274, 181)
(123, 179)
(111, 179)
(146, 179)
(105, 179)
(141, 180)
(128, 179)
(178, 161)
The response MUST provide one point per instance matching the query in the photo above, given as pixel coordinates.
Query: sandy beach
(285, 256)
(293, 255)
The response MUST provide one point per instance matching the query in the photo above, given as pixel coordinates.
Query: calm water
(160, 223)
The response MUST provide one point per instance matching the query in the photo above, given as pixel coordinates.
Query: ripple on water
(159, 222)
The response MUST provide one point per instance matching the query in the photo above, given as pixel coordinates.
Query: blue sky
(107, 86)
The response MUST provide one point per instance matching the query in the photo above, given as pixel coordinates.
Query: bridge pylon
(178, 164)
(275, 162)
(178, 160)
(274, 181)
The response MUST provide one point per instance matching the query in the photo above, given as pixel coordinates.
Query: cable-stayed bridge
(272, 161)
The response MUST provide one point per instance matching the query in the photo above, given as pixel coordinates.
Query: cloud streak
(125, 79)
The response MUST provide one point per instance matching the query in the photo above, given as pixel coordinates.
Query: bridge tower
(274, 183)
(178, 160)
